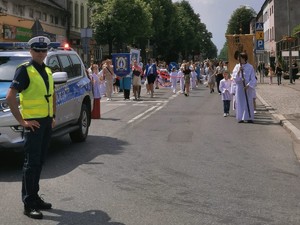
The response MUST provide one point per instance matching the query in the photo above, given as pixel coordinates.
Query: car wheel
(81, 134)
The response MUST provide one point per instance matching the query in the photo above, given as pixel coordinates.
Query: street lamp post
(290, 41)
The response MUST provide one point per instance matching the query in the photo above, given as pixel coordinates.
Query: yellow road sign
(259, 35)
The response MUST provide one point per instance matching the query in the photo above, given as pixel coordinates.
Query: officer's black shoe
(41, 204)
(33, 213)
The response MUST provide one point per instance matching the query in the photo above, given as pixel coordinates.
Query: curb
(287, 125)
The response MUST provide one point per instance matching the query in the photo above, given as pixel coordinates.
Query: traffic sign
(259, 35)
(259, 26)
(260, 45)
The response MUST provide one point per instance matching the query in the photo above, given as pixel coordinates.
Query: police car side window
(76, 65)
(66, 65)
(53, 63)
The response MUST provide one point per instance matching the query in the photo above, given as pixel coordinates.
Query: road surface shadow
(91, 217)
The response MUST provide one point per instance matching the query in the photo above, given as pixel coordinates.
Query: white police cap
(39, 42)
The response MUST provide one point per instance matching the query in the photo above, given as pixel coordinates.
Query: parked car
(73, 90)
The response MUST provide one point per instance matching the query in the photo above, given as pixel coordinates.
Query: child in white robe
(173, 77)
(193, 78)
(225, 89)
(102, 84)
(181, 80)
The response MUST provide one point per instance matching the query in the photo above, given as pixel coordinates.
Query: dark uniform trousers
(35, 149)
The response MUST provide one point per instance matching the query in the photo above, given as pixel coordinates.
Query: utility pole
(290, 41)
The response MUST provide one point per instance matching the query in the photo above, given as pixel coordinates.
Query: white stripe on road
(149, 112)
(142, 114)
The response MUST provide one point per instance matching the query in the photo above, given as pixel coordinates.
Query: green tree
(224, 52)
(118, 22)
(296, 30)
(239, 23)
(164, 25)
(193, 36)
(171, 28)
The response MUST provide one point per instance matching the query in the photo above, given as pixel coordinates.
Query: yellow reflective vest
(35, 101)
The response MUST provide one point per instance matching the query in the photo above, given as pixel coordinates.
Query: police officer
(33, 81)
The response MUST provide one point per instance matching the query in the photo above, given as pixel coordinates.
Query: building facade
(279, 17)
(61, 20)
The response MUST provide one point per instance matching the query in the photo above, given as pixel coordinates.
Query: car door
(68, 90)
(80, 85)
(62, 91)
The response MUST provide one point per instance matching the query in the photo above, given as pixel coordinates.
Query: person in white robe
(102, 84)
(244, 77)
(233, 90)
(193, 77)
(225, 90)
(181, 80)
(173, 77)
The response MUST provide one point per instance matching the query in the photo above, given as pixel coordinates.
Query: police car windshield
(8, 65)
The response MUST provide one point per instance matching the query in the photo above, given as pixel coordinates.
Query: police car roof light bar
(24, 45)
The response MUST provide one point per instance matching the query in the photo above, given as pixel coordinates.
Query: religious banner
(135, 55)
(121, 63)
(237, 44)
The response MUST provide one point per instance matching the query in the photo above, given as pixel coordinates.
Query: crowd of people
(237, 86)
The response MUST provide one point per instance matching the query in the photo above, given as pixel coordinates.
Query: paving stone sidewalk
(283, 101)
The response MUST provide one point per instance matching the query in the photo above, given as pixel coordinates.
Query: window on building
(4, 3)
(38, 15)
(81, 16)
(63, 20)
(76, 16)
(51, 19)
(18, 10)
(56, 20)
(266, 35)
(70, 9)
(31, 13)
(44, 16)
(88, 18)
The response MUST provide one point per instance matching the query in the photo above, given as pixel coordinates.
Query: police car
(73, 90)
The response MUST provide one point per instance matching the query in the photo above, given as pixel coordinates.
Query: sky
(215, 14)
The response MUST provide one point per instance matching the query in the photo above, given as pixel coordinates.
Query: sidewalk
(283, 102)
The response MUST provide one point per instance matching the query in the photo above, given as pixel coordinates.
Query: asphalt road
(170, 160)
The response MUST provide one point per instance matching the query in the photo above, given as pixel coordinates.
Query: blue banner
(121, 63)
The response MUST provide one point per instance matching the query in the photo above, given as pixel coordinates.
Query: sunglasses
(40, 50)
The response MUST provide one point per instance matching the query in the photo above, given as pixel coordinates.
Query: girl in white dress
(225, 90)
(173, 77)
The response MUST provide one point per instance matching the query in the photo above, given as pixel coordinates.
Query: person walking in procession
(278, 71)
(109, 76)
(294, 71)
(173, 77)
(96, 92)
(211, 77)
(245, 81)
(137, 72)
(151, 73)
(219, 75)
(187, 78)
(34, 83)
(225, 89)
